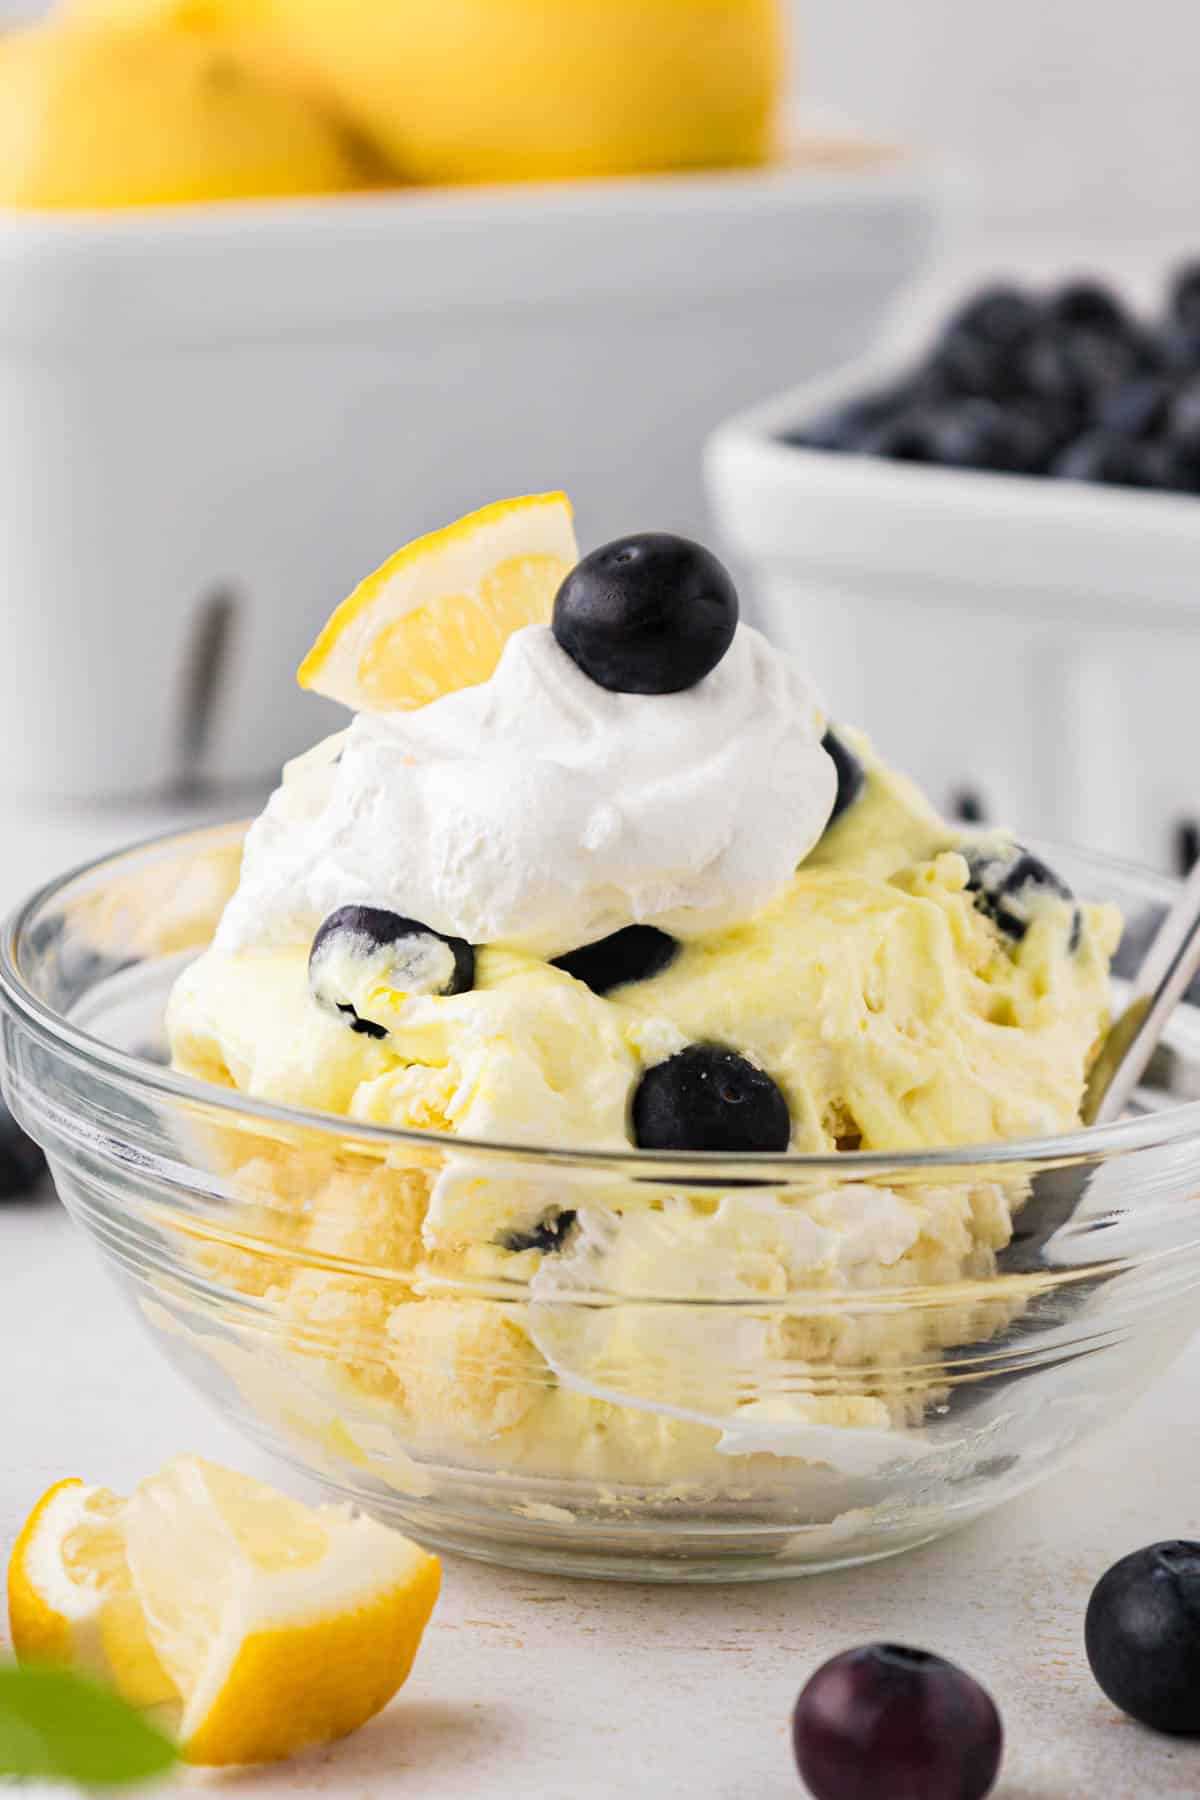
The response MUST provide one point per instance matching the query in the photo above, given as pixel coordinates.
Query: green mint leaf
(58, 1726)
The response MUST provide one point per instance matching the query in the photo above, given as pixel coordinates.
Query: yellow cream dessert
(631, 891)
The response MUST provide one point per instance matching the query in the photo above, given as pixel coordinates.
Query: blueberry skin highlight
(1142, 1636)
(707, 1097)
(889, 1723)
(635, 953)
(651, 614)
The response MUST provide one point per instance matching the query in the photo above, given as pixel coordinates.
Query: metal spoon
(1170, 962)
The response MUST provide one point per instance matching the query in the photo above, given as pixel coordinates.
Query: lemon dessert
(591, 869)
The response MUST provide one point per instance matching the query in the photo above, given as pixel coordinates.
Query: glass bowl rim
(1160, 1129)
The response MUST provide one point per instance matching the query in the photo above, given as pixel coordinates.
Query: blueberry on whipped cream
(361, 950)
(709, 1098)
(650, 614)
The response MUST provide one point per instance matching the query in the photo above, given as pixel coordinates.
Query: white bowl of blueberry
(995, 555)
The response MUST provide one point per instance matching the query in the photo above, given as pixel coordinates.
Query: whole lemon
(500, 90)
(155, 114)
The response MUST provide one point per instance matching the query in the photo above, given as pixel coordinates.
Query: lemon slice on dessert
(267, 1626)
(437, 615)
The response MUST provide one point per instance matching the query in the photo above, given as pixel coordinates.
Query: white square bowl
(1031, 646)
(213, 421)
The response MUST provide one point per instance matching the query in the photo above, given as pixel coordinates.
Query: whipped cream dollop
(541, 811)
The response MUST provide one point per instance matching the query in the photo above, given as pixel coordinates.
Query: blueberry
(1178, 343)
(1007, 883)
(709, 1098)
(1136, 409)
(1142, 1635)
(886, 1721)
(361, 948)
(976, 352)
(633, 954)
(1090, 306)
(1120, 461)
(1183, 420)
(851, 776)
(843, 427)
(547, 1236)
(1073, 370)
(963, 434)
(1184, 297)
(22, 1164)
(651, 614)
(1002, 314)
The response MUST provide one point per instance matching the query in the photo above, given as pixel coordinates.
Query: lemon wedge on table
(257, 1625)
(437, 615)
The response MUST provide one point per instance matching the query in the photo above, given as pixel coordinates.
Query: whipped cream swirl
(541, 811)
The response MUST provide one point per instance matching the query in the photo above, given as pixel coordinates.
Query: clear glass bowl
(276, 1257)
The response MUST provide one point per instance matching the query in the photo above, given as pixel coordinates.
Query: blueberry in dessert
(635, 953)
(709, 1098)
(360, 952)
(1010, 883)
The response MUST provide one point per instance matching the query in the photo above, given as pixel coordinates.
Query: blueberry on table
(22, 1164)
(361, 948)
(1142, 1635)
(707, 1097)
(650, 614)
(635, 953)
(889, 1723)
(851, 776)
(1007, 883)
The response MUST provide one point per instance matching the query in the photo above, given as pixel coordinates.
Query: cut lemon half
(437, 615)
(270, 1626)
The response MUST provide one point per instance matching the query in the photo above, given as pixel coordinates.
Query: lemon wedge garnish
(437, 615)
(257, 1625)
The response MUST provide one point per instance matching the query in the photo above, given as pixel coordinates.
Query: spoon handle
(1168, 966)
